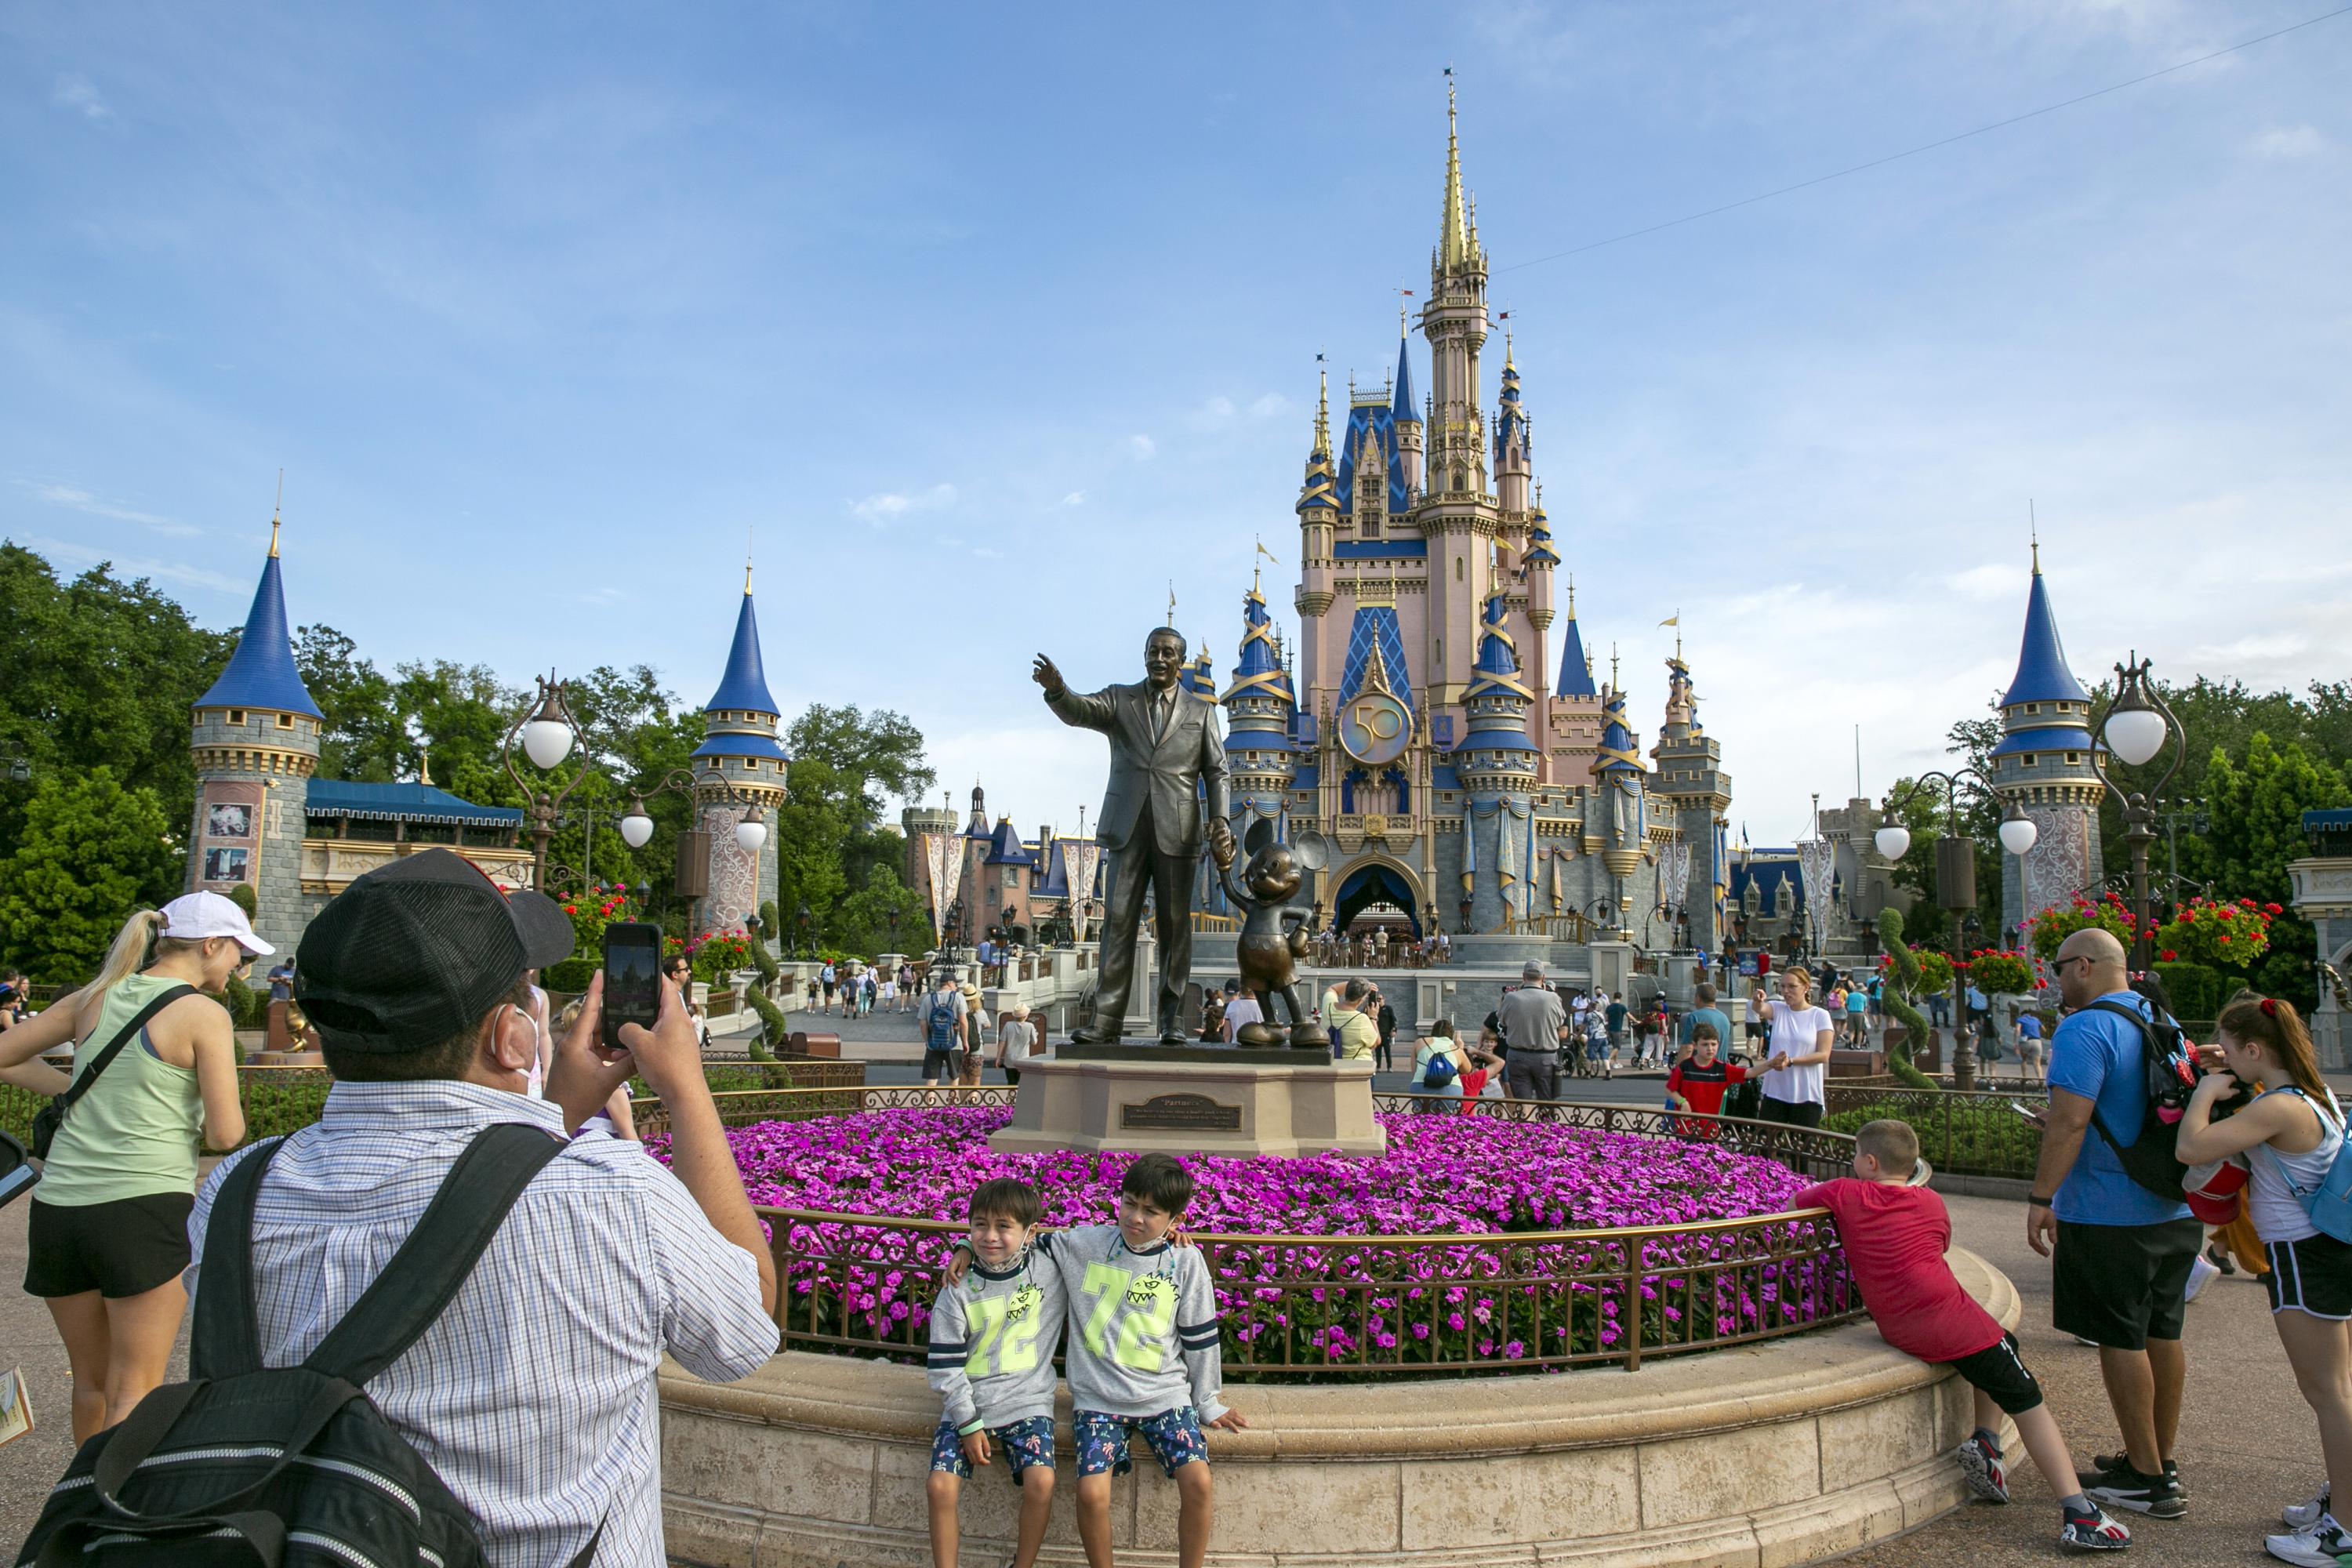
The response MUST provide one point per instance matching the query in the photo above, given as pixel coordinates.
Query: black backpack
(291, 1467)
(2168, 1077)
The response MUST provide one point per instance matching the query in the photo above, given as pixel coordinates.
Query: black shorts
(2312, 1275)
(2000, 1372)
(944, 1066)
(2120, 1286)
(1790, 1113)
(126, 1247)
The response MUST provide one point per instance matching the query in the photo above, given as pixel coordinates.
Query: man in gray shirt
(1532, 1020)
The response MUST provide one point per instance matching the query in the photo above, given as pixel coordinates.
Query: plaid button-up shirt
(533, 1397)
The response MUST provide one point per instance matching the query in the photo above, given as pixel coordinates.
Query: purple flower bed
(1486, 1301)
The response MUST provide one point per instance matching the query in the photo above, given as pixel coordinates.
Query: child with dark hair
(2291, 1136)
(993, 1329)
(1894, 1233)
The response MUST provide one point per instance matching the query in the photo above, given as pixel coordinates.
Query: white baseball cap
(192, 916)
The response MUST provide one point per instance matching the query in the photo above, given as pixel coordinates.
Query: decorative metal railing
(1983, 1133)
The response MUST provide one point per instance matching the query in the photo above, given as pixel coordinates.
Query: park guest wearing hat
(539, 1420)
(107, 1236)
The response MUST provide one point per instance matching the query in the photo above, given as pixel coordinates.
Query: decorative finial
(747, 559)
(1508, 363)
(425, 766)
(2032, 526)
(1322, 407)
(275, 507)
(1572, 595)
(1612, 668)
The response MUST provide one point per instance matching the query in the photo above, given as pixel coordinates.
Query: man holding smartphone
(540, 1421)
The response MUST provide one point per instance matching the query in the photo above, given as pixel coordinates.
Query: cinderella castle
(1437, 716)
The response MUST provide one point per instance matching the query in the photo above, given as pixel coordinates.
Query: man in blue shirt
(1704, 1011)
(2120, 1275)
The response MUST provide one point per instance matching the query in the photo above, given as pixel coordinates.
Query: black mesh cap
(420, 950)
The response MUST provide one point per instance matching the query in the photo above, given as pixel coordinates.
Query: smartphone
(632, 977)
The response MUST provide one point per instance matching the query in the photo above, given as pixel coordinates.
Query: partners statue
(1163, 747)
(1274, 934)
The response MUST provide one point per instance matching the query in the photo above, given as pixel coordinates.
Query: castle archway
(1377, 883)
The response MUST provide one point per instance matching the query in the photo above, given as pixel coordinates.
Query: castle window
(2026, 761)
(2074, 759)
(1457, 560)
(236, 716)
(286, 720)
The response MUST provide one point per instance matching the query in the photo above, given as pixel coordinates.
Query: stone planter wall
(1783, 1453)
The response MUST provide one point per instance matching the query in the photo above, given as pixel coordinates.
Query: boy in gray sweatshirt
(1143, 1354)
(994, 1330)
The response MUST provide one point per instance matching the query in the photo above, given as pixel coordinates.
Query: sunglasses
(2059, 967)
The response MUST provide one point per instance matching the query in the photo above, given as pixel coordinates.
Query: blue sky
(973, 316)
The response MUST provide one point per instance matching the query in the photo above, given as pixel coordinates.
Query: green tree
(361, 734)
(90, 853)
(98, 672)
(2256, 801)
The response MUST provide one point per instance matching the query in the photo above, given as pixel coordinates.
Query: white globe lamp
(2018, 833)
(2134, 734)
(1892, 841)
(637, 827)
(546, 741)
(750, 834)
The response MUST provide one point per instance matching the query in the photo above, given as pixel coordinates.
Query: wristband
(2039, 1203)
(969, 1431)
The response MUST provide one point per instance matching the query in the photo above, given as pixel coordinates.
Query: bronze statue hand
(1045, 675)
(1221, 842)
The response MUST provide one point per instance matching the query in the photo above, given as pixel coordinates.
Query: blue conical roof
(1403, 409)
(2042, 673)
(261, 672)
(745, 685)
(1259, 671)
(1575, 679)
(1619, 753)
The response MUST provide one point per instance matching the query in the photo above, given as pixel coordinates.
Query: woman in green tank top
(107, 1236)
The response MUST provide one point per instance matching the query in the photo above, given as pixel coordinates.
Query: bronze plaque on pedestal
(1181, 1113)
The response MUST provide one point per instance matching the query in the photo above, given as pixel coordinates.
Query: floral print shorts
(1174, 1436)
(1023, 1444)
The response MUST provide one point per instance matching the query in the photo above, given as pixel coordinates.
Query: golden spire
(1322, 411)
(747, 559)
(2032, 525)
(1571, 600)
(1455, 246)
(275, 507)
(1612, 667)
(1508, 363)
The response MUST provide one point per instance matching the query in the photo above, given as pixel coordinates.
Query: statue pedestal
(1194, 1099)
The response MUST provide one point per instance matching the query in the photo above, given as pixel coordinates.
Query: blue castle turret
(1498, 765)
(1619, 793)
(1261, 756)
(254, 745)
(2046, 763)
(738, 770)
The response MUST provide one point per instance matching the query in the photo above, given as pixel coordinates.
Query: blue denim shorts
(1023, 1445)
(1173, 1436)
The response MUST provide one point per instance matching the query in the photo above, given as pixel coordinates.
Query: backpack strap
(225, 1340)
(421, 1279)
(2147, 1028)
(130, 1031)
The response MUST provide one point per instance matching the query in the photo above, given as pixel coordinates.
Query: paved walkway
(2249, 1443)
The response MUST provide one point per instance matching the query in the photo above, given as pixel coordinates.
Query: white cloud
(134, 567)
(1075, 498)
(887, 505)
(1994, 580)
(1270, 405)
(2290, 142)
(74, 93)
(1142, 447)
(80, 500)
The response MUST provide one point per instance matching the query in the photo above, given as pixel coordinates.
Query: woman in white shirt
(1796, 1052)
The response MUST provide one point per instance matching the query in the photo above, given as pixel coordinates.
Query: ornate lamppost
(547, 732)
(2137, 724)
(805, 946)
(636, 824)
(1955, 882)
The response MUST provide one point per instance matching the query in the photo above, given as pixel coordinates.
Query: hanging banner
(938, 862)
(1817, 860)
(1674, 872)
(1081, 861)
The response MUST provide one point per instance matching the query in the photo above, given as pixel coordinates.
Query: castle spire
(1405, 408)
(1575, 666)
(261, 673)
(1455, 248)
(2042, 674)
(1322, 448)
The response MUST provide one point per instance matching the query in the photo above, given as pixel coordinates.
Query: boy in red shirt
(1700, 1080)
(1895, 1233)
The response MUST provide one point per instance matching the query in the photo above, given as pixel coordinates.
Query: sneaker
(2305, 1515)
(1981, 1463)
(2091, 1531)
(2172, 1473)
(2120, 1486)
(2202, 1271)
(2323, 1546)
(2219, 1256)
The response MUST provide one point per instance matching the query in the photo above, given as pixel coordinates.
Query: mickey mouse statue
(1274, 934)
